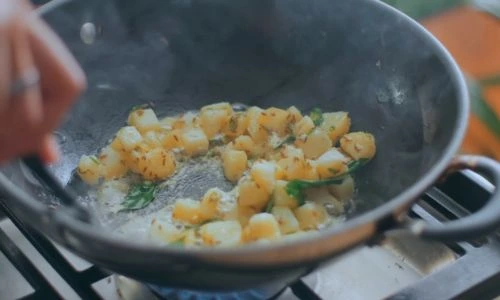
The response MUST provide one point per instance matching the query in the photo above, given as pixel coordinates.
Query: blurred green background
(470, 30)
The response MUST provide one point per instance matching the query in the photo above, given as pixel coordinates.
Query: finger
(62, 79)
(49, 151)
(5, 81)
(27, 101)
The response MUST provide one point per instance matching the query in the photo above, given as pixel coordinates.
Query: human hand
(30, 109)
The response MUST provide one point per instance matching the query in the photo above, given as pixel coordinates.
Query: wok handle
(482, 222)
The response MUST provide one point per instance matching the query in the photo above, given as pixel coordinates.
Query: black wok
(360, 56)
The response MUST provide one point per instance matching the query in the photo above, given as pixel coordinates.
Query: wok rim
(238, 255)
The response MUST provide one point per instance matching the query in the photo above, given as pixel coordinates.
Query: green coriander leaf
(178, 243)
(482, 109)
(317, 116)
(288, 140)
(269, 206)
(95, 160)
(140, 195)
(295, 188)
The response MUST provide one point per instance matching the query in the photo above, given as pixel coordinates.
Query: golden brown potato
(286, 219)
(262, 226)
(113, 164)
(187, 211)
(331, 163)
(281, 197)
(156, 164)
(144, 119)
(257, 132)
(209, 206)
(311, 216)
(127, 138)
(89, 169)
(221, 233)
(294, 115)
(264, 175)
(358, 145)
(274, 119)
(234, 163)
(314, 144)
(304, 126)
(194, 141)
(336, 124)
(213, 118)
(253, 195)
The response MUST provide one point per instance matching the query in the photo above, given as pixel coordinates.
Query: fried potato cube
(264, 175)
(322, 196)
(127, 138)
(209, 206)
(304, 126)
(253, 195)
(156, 164)
(311, 215)
(314, 144)
(343, 191)
(244, 213)
(274, 119)
(194, 141)
(310, 171)
(213, 118)
(331, 163)
(293, 167)
(236, 126)
(262, 226)
(336, 124)
(221, 233)
(281, 197)
(167, 123)
(257, 132)
(192, 239)
(186, 121)
(143, 119)
(113, 164)
(89, 169)
(153, 139)
(188, 211)
(171, 139)
(286, 219)
(234, 163)
(294, 115)
(358, 145)
(163, 231)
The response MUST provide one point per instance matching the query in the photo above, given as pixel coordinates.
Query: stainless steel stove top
(399, 268)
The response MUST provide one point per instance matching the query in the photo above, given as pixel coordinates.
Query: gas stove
(33, 267)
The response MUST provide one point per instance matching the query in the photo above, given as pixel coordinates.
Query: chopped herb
(196, 227)
(333, 171)
(317, 116)
(295, 188)
(233, 123)
(95, 160)
(332, 128)
(178, 243)
(269, 206)
(140, 195)
(140, 106)
(289, 139)
(218, 141)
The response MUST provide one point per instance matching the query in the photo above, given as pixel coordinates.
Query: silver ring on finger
(29, 79)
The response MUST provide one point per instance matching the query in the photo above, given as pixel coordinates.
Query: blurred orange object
(473, 38)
